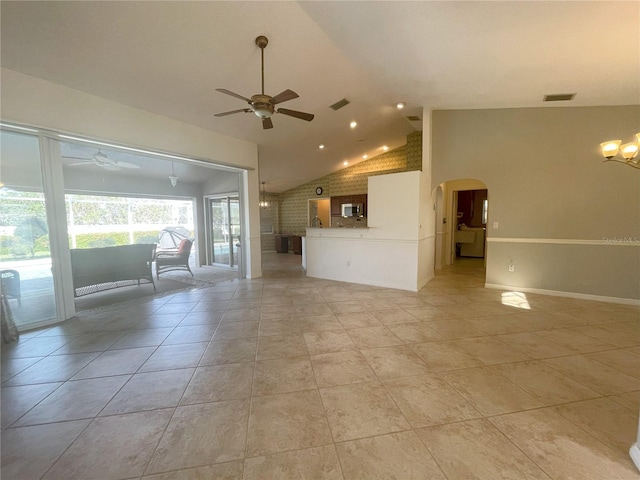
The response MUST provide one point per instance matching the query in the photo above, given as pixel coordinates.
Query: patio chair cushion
(184, 246)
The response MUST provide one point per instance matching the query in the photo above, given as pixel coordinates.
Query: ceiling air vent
(341, 103)
(413, 118)
(559, 97)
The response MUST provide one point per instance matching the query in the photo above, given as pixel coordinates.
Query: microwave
(352, 210)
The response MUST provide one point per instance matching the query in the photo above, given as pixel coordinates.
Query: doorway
(470, 223)
(462, 217)
(223, 227)
(321, 209)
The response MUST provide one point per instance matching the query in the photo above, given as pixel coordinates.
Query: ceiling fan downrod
(262, 42)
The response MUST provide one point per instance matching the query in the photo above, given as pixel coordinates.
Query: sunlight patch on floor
(515, 299)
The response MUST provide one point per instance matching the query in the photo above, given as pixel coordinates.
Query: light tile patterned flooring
(293, 377)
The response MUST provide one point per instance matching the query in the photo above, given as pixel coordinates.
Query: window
(102, 221)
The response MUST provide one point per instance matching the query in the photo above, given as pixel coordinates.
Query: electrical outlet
(348, 263)
(512, 267)
(495, 225)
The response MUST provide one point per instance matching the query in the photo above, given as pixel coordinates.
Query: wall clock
(318, 190)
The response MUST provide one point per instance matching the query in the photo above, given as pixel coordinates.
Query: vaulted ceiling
(169, 57)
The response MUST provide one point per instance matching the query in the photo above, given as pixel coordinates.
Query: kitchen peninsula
(388, 251)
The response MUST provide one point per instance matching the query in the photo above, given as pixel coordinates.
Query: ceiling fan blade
(246, 110)
(109, 166)
(284, 96)
(229, 92)
(267, 123)
(294, 113)
(124, 164)
(80, 163)
(78, 158)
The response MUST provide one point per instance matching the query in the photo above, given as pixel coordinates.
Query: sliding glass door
(223, 216)
(25, 249)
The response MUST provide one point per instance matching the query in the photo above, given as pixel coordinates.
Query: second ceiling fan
(264, 105)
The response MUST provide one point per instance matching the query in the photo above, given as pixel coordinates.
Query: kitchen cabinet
(284, 242)
(336, 203)
(296, 244)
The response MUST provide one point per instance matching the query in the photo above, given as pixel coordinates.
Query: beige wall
(349, 181)
(558, 205)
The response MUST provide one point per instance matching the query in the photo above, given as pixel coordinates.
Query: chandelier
(263, 199)
(628, 151)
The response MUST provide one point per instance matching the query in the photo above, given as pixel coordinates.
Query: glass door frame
(234, 256)
(53, 192)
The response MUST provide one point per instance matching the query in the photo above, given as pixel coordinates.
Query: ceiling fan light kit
(172, 178)
(263, 106)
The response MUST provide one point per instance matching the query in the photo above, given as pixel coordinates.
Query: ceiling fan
(101, 160)
(264, 105)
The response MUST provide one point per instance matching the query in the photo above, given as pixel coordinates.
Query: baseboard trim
(559, 293)
(615, 242)
(391, 285)
(634, 452)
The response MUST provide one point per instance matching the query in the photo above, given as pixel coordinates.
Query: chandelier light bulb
(610, 148)
(629, 151)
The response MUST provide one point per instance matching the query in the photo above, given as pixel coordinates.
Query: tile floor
(293, 377)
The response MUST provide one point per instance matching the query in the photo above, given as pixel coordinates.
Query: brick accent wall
(292, 211)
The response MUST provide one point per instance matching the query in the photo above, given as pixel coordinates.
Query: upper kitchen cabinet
(338, 202)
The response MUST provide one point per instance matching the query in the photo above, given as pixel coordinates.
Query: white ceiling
(169, 57)
(78, 156)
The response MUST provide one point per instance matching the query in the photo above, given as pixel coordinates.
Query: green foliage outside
(26, 212)
(96, 240)
(150, 213)
(17, 248)
(99, 213)
(146, 237)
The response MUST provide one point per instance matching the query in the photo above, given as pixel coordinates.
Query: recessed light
(321, 146)
(385, 148)
(353, 124)
(365, 156)
(345, 163)
(400, 105)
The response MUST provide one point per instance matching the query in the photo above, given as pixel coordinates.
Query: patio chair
(174, 260)
(10, 282)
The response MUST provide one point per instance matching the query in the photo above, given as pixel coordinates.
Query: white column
(635, 450)
(53, 180)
